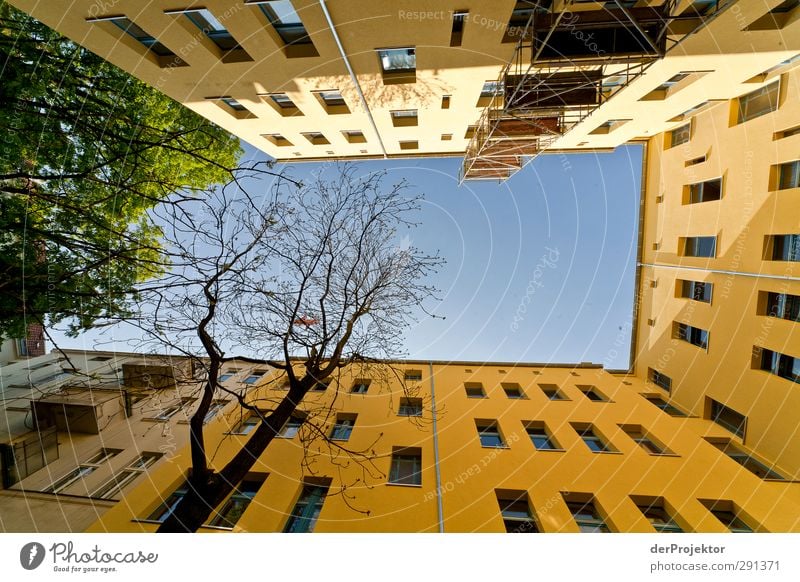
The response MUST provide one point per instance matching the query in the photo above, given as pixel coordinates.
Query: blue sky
(539, 268)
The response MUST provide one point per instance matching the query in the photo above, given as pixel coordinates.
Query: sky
(539, 268)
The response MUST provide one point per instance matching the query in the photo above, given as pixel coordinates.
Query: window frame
(398, 474)
(742, 115)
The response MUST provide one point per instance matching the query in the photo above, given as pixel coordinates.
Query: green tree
(87, 152)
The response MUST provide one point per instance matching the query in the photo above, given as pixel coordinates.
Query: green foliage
(87, 151)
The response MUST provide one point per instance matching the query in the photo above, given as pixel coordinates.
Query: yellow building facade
(719, 288)
(502, 81)
(474, 447)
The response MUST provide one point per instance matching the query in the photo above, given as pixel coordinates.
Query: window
(672, 81)
(746, 460)
(354, 136)
(680, 135)
(659, 379)
(640, 438)
(692, 335)
(247, 425)
(172, 410)
(552, 392)
(233, 103)
(284, 20)
(215, 407)
(282, 100)
(489, 434)
(592, 394)
(658, 517)
(700, 246)
(516, 512)
(254, 377)
(696, 290)
(446, 102)
(410, 407)
(540, 437)
(127, 26)
(164, 510)
(320, 386)
(785, 247)
(513, 391)
(332, 98)
(360, 387)
(404, 118)
(343, 427)
(277, 139)
(587, 517)
(316, 138)
(491, 89)
(782, 305)
(398, 60)
(707, 191)
(725, 512)
(664, 405)
(474, 390)
(727, 418)
(406, 467)
(237, 503)
(518, 21)
(212, 28)
(128, 475)
(306, 510)
(413, 376)
(789, 175)
(758, 102)
(409, 145)
(291, 428)
(459, 18)
(84, 469)
(592, 440)
(226, 376)
(787, 367)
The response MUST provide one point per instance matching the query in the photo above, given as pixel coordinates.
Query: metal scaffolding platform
(565, 65)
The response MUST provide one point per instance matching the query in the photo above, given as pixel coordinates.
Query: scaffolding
(565, 65)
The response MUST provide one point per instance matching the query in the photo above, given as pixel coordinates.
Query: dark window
(212, 28)
(787, 367)
(513, 391)
(592, 440)
(692, 335)
(282, 100)
(343, 428)
(697, 290)
(168, 506)
(285, 21)
(665, 406)
(660, 380)
(728, 418)
(644, 441)
(516, 512)
(786, 247)
(237, 503)
(784, 306)
(490, 435)
(701, 246)
(306, 510)
(474, 390)
(659, 518)
(705, 191)
(139, 34)
(758, 102)
(680, 135)
(459, 17)
(406, 468)
(587, 517)
(592, 394)
(789, 175)
(552, 392)
(540, 438)
(291, 428)
(410, 407)
(360, 387)
(725, 512)
(744, 458)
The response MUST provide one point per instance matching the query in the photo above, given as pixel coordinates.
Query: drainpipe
(352, 75)
(436, 452)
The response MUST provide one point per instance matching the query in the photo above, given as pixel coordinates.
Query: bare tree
(311, 278)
